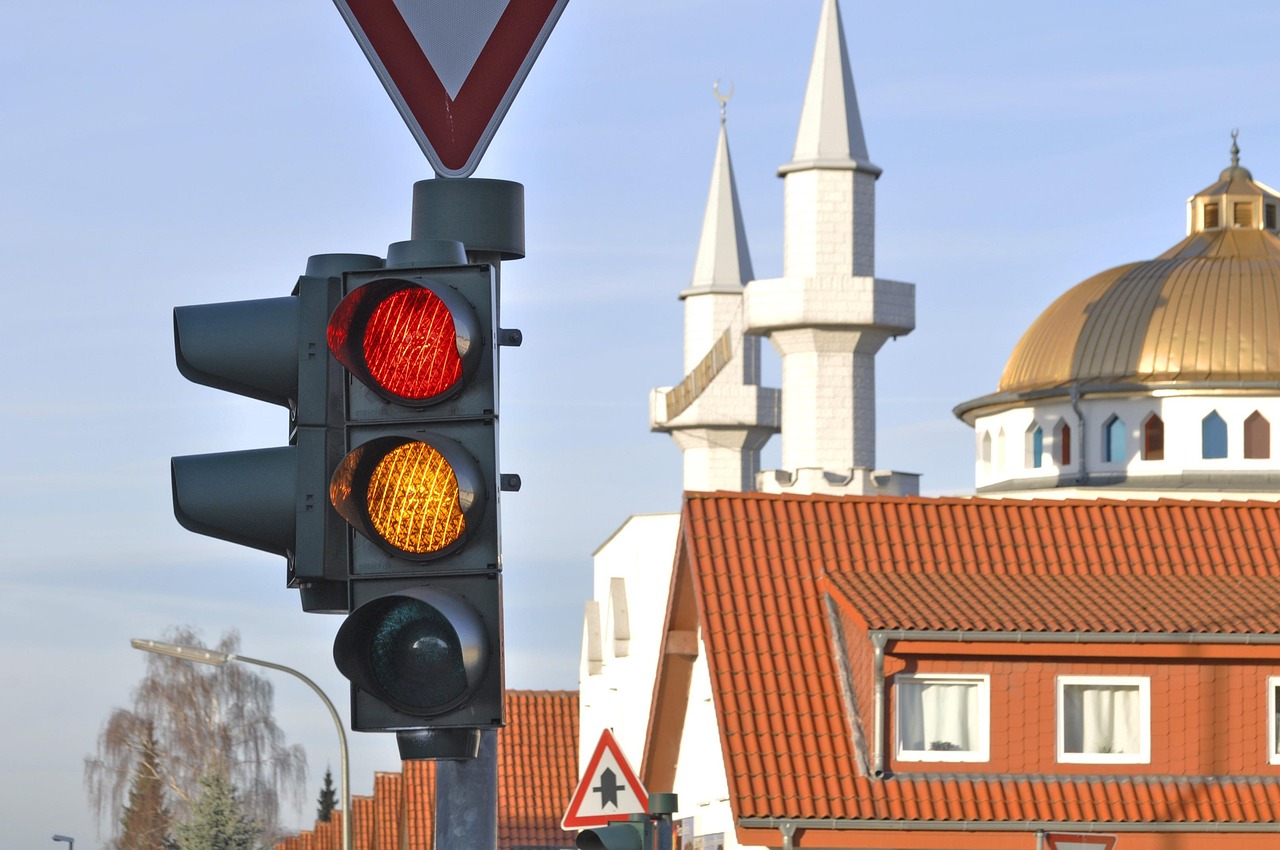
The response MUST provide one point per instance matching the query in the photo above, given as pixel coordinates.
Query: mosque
(1155, 380)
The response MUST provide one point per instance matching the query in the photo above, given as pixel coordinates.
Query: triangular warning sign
(608, 790)
(452, 67)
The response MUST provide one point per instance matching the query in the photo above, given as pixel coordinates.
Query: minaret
(828, 315)
(719, 416)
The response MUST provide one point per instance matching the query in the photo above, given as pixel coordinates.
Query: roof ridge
(1135, 502)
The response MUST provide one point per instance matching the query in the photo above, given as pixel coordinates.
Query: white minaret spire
(828, 315)
(719, 416)
(830, 124)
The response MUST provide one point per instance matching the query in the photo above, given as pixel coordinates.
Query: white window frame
(981, 752)
(1273, 742)
(1143, 756)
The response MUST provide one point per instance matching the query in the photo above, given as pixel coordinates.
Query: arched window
(1257, 437)
(1213, 437)
(984, 452)
(1000, 449)
(1114, 449)
(1035, 447)
(1063, 439)
(1153, 438)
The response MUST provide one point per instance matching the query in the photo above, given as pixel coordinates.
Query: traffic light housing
(636, 834)
(385, 499)
(651, 831)
(273, 499)
(418, 488)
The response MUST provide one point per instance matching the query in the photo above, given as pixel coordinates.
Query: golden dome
(1213, 317)
(1205, 313)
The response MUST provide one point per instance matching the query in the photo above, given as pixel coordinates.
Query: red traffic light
(413, 343)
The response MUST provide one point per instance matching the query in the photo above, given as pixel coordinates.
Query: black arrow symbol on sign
(609, 788)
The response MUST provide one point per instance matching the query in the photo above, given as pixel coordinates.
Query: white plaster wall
(641, 553)
(1182, 413)
(701, 785)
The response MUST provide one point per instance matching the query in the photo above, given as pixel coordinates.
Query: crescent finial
(723, 98)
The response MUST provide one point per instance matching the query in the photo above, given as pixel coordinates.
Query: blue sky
(157, 154)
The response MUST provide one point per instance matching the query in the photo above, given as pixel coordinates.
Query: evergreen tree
(146, 823)
(328, 798)
(217, 820)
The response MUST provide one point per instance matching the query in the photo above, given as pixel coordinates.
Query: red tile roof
(537, 768)
(537, 774)
(760, 567)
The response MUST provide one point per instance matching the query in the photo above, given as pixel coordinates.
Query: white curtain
(938, 716)
(1102, 719)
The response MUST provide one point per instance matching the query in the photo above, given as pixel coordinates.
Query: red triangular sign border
(453, 132)
(572, 819)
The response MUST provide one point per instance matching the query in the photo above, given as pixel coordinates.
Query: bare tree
(201, 721)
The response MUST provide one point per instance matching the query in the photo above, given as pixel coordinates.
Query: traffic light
(273, 499)
(418, 486)
(651, 831)
(633, 834)
(385, 500)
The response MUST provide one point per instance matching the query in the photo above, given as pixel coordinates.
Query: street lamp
(71, 842)
(217, 659)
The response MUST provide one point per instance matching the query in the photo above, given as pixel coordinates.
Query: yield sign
(1079, 841)
(608, 790)
(452, 67)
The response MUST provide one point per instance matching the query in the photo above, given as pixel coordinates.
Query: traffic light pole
(467, 799)
(487, 218)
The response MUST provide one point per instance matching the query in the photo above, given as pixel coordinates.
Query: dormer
(1234, 202)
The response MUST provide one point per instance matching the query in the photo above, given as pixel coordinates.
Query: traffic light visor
(410, 342)
(412, 497)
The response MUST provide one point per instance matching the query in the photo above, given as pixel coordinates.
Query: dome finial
(723, 98)
(1235, 171)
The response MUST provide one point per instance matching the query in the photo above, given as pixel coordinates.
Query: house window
(985, 450)
(943, 717)
(1104, 719)
(1271, 216)
(1064, 444)
(1243, 214)
(1213, 437)
(1210, 216)
(1273, 720)
(1113, 441)
(1257, 437)
(1036, 447)
(1153, 438)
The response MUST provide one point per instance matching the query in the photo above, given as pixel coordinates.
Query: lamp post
(217, 659)
(71, 842)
